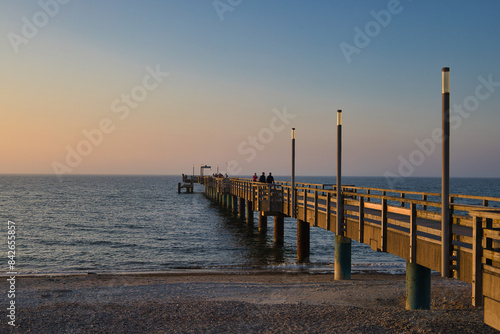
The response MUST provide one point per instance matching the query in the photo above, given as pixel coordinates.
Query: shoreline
(253, 302)
(207, 271)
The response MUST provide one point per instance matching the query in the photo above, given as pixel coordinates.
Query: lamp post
(293, 173)
(445, 176)
(342, 269)
(340, 202)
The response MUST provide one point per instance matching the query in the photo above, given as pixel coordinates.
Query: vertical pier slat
(269, 197)
(477, 255)
(383, 226)
(361, 218)
(316, 208)
(288, 202)
(452, 206)
(413, 233)
(304, 215)
(328, 210)
(488, 242)
(282, 197)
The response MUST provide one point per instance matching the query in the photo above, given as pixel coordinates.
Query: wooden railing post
(477, 255)
(452, 206)
(328, 210)
(304, 214)
(383, 226)
(413, 233)
(316, 208)
(488, 242)
(269, 196)
(361, 219)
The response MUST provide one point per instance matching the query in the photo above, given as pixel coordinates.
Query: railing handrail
(353, 191)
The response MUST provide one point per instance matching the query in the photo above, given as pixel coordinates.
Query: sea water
(105, 223)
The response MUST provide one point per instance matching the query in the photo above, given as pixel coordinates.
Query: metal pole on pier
(293, 173)
(342, 269)
(445, 177)
(340, 202)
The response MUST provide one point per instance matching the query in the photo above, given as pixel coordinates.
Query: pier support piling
(418, 287)
(279, 230)
(303, 241)
(234, 204)
(242, 208)
(262, 222)
(342, 258)
(249, 212)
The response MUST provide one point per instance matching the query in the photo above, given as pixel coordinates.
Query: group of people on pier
(263, 179)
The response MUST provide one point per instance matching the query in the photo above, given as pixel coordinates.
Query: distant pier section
(188, 181)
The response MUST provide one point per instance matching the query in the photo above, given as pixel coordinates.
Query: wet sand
(254, 302)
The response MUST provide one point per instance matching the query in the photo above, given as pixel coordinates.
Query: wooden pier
(404, 223)
(187, 183)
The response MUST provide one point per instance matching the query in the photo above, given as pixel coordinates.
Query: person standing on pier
(270, 178)
(263, 178)
(255, 177)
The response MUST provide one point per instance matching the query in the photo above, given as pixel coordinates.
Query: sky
(157, 87)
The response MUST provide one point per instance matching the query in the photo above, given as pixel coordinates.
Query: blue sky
(229, 79)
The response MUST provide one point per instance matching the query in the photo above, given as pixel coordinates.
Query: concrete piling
(342, 258)
(303, 241)
(279, 230)
(418, 287)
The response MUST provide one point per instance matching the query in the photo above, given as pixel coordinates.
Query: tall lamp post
(342, 269)
(445, 176)
(293, 173)
(340, 202)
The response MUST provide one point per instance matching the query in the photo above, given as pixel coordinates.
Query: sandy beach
(256, 302)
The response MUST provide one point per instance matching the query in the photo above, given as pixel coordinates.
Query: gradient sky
(233, 66)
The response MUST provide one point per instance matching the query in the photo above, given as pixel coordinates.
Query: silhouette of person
(270, 178)
(262, 178)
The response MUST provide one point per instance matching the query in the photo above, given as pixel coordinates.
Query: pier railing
(486, 263)
(404, 223)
